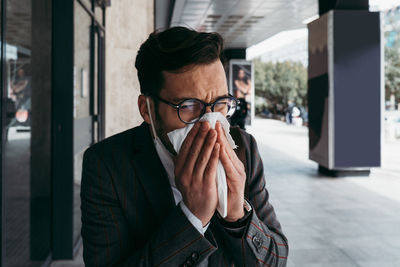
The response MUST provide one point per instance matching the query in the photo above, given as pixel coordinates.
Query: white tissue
(178, 136)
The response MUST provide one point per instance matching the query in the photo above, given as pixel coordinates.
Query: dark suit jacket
(129, 217)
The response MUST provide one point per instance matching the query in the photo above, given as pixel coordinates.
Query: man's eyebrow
(180, 99)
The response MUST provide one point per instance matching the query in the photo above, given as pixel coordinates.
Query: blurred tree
(280, 82)
(392, 60)
(392, 72)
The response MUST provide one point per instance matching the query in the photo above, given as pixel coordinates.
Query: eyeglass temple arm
(168, 103)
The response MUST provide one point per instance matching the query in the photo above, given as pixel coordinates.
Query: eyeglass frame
(177, 106)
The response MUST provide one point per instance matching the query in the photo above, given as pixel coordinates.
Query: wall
(128, 24)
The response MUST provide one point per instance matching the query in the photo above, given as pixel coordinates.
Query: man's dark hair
(170, 51)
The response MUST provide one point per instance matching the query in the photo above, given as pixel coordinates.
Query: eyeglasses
(192, 109)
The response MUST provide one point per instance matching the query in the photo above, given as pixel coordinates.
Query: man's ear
(143, 108)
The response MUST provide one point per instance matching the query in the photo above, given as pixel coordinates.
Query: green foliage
(279, 82)
(392, 61)
(392, 72)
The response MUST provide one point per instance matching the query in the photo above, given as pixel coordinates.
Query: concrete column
(163, 10)
(345, 89)
(128, 24)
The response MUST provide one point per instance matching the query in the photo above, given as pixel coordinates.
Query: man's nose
(208, 109)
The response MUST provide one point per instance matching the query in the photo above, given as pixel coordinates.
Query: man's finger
(205, 153)
(210, 172)
(197, 144)
(182, 155)
(227, 164)
(224, 142)
(237, 163)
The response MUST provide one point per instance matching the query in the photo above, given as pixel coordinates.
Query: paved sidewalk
(352, 221)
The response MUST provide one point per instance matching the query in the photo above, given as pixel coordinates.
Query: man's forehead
(204, 82)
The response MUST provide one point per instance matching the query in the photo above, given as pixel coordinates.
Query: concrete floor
(352, 221)
(18, 203)
(17, 199)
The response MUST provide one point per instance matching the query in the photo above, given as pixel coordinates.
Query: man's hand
(196, 170)
(235, 176)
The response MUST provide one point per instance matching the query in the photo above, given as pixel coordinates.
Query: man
(137, 212)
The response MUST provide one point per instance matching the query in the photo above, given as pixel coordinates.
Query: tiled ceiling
(243, 23)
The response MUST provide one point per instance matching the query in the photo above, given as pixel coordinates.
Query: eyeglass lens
(192, 109)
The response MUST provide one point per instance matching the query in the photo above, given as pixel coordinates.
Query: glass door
(83, 129)
(26, 133)
(52, 106)
(2, 123)
(89, 85)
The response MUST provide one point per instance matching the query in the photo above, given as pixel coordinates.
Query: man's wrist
(242, 221)
(235, 218)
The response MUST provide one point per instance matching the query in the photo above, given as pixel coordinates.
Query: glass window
(83, 101)
(27, 148)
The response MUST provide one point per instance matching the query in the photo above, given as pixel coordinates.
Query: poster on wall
(241, 86)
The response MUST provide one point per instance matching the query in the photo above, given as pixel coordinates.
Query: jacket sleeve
(108, 239)
(262, 242)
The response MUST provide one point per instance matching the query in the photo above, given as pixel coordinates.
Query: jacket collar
(151, 173)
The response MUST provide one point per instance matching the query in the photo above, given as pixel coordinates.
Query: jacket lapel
(151, 173)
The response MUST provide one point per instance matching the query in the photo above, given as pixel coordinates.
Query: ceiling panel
(243, 23)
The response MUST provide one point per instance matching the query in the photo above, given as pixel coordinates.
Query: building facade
(67, 81)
